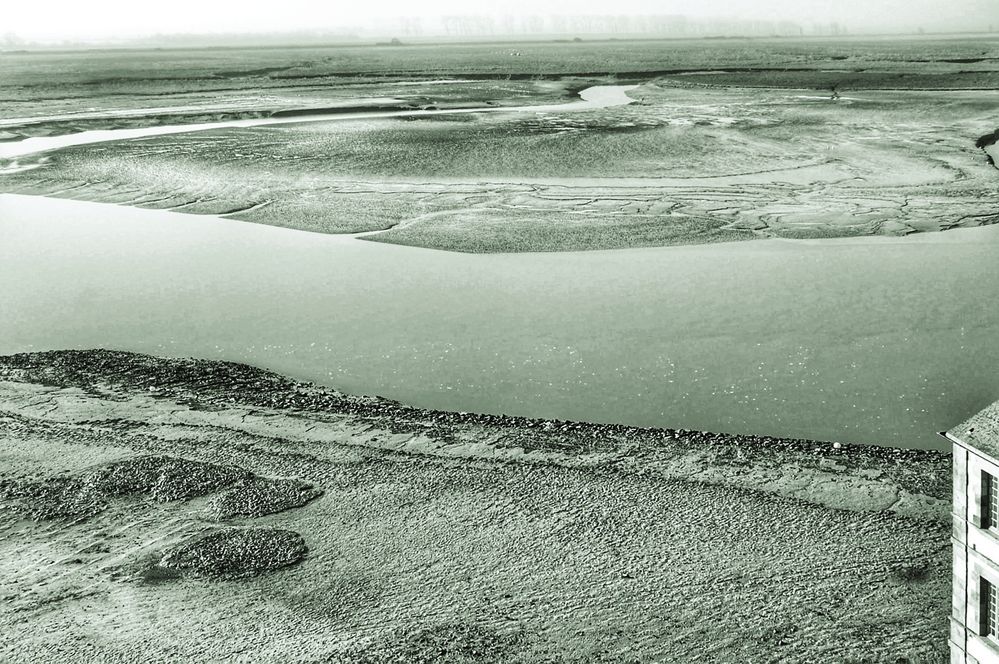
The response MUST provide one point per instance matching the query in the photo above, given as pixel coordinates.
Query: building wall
(976, 557)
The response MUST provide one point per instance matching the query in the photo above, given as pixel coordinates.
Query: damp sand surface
(426, 532)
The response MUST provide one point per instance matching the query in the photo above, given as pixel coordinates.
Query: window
(990, 502)
(990, 610)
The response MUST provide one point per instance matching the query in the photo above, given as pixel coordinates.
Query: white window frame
(990, 501)
(990, 607)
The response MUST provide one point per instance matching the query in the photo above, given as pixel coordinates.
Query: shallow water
(871, 340)
(598, 96)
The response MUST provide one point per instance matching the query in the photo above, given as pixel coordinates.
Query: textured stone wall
(976, 557)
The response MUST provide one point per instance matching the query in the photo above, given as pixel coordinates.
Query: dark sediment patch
(336, 110)
(60, 127)
(236, 553)
(156, 573)
(449, 643)
(987, 140)
(260, 496)
(917, 572)
(163, 478)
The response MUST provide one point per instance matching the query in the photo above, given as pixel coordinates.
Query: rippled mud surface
(680, 166)
(725, 141)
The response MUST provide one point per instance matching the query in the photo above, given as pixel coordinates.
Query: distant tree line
(673, 25)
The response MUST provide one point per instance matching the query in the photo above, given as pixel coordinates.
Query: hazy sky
(85, 19)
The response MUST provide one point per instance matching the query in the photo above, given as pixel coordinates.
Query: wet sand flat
(507, 540)
(678, 165)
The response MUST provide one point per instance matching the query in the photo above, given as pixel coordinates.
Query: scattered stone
(236, 553)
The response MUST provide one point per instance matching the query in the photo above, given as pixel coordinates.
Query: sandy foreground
(182, 510)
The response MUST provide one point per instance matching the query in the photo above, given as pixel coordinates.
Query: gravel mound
(60, 497)
(236, 553)
(259, 496)
(162, 477)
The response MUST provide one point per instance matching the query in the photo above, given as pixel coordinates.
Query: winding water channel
(871, 340)
(598, 96)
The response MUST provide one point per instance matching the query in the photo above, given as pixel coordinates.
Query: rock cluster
(161, 477)
(236, 553)
(260, 496)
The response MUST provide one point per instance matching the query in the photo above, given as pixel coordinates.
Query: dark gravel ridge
(213, 384)
(163, 478)
(85, 494)
(236, 553)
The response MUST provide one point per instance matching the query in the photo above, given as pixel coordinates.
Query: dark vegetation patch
(448, 643)
(236, 553)
(163, 478)
(464, 118)
(966, 61)
(74, 125)
(260, 496)
(554, 124)
(335, 110)
(175, 378)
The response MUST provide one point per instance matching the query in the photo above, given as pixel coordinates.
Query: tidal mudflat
(737, 141)
(521, 286)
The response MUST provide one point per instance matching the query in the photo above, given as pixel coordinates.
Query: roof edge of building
(970, 447)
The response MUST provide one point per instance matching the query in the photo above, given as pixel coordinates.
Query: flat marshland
(786, 240)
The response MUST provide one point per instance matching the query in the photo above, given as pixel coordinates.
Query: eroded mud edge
(127, 387)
